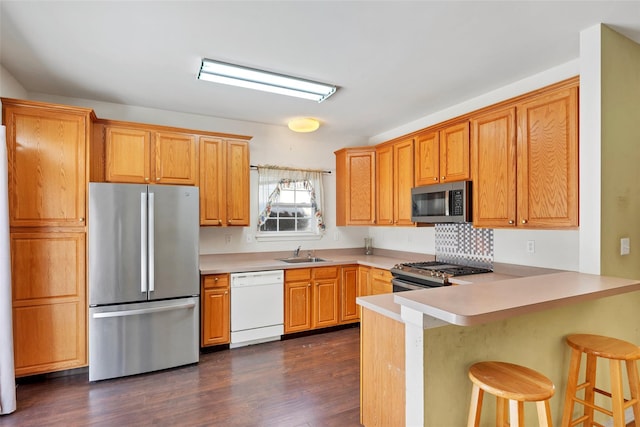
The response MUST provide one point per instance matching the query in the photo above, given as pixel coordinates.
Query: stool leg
(476, 406)
(544, 414)
(572, 384)
(502, 412)
(589, 391)
(617, 398)
(634, 387)
(516, 413)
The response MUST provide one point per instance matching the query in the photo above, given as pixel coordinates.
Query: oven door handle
(404, 285)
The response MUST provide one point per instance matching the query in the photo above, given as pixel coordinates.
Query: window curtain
(7, 376)
(271, 179)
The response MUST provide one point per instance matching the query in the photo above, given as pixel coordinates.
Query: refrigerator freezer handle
(143, 242)
(140, 311)
(151, 249)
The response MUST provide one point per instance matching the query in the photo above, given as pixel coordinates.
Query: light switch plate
(625, 246)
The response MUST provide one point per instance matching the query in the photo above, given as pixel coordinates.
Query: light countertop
(259, 261)
(487, 300)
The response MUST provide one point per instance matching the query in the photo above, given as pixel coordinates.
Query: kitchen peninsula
(431, 337)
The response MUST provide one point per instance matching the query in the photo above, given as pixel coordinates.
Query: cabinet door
(326, 303)
(49, 301)
(297, 300)
(127, 155)
(403, 164)
(175, 158)
(494, 169)
(427, 161)
(349, 310)
(548, 160)
(355, 187)
(237, 194)
(364, 280)
(212, 181)
(454, 153)
(47, 167)
(384, 182)
(215, 316)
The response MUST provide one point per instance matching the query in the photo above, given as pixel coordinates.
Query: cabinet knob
(215, 279)
(225, 292)
(146, 179)
(524, 221)
(435, 178)
(390, 221)
(443, 178)
(219, 222)
(511, 221)
(81, 219)
(308, 284)
(157, 179)
(229, 221)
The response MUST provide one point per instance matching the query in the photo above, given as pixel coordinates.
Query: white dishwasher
(257, 307)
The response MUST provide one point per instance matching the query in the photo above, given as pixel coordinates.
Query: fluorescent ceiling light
(235, 75)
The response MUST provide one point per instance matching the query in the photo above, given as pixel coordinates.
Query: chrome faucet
(296, 253)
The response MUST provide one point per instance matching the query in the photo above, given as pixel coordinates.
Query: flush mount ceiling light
(304, 125)
(251, 78)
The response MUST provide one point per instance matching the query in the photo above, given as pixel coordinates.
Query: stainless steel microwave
(441, 203)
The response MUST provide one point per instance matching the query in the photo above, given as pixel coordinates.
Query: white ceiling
(394, 61)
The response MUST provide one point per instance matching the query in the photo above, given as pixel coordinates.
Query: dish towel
(7, 373)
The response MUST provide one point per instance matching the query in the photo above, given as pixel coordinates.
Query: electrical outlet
(336, 236)
(227, 239)
(531, 246)
(625, 245)
(249, 238)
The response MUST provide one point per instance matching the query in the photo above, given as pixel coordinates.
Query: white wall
(9, 86)
(554, 249)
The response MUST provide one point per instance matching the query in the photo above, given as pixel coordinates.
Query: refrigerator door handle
(143, 242)
(142, 311)
(151, 249)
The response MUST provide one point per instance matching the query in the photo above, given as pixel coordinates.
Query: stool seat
(511, 384)
(617, 352)
(601, 346)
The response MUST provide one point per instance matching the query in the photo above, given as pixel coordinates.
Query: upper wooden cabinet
(138, 155)
(443, 155)
(355, 186)
(394, 180)
(47, 154)
(525, 162)
(224, 182)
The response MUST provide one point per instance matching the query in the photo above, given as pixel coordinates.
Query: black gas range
(429, 274)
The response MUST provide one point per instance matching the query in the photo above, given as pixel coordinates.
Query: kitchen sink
(301, 260)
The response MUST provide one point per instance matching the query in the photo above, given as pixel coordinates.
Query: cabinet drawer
(381, 274)
(297, 274)
(325, 272)
(215, 281)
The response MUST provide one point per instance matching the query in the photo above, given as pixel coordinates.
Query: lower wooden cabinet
(49, 301)
(319, 297)
(380, 281)
(215, 313)
(349, 286)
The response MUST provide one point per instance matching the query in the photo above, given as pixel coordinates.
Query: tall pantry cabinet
(47, 147)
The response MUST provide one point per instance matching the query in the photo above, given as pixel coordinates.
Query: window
(290, 203)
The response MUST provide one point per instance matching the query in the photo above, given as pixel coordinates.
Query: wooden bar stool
(616, 351)
(512, 385)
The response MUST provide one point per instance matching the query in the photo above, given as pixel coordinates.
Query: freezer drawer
(142, 337)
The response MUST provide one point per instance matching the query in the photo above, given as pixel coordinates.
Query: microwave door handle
(446, 203)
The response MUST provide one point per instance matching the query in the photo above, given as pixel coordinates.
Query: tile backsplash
(463, 244)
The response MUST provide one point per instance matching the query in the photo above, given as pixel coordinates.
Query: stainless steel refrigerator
(143, 278)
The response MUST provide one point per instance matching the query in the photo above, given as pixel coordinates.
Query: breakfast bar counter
(520, 320)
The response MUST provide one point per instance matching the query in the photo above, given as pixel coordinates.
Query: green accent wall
(620, 149)
(535, 340)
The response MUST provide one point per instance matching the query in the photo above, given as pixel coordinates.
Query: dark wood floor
(307, 381)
